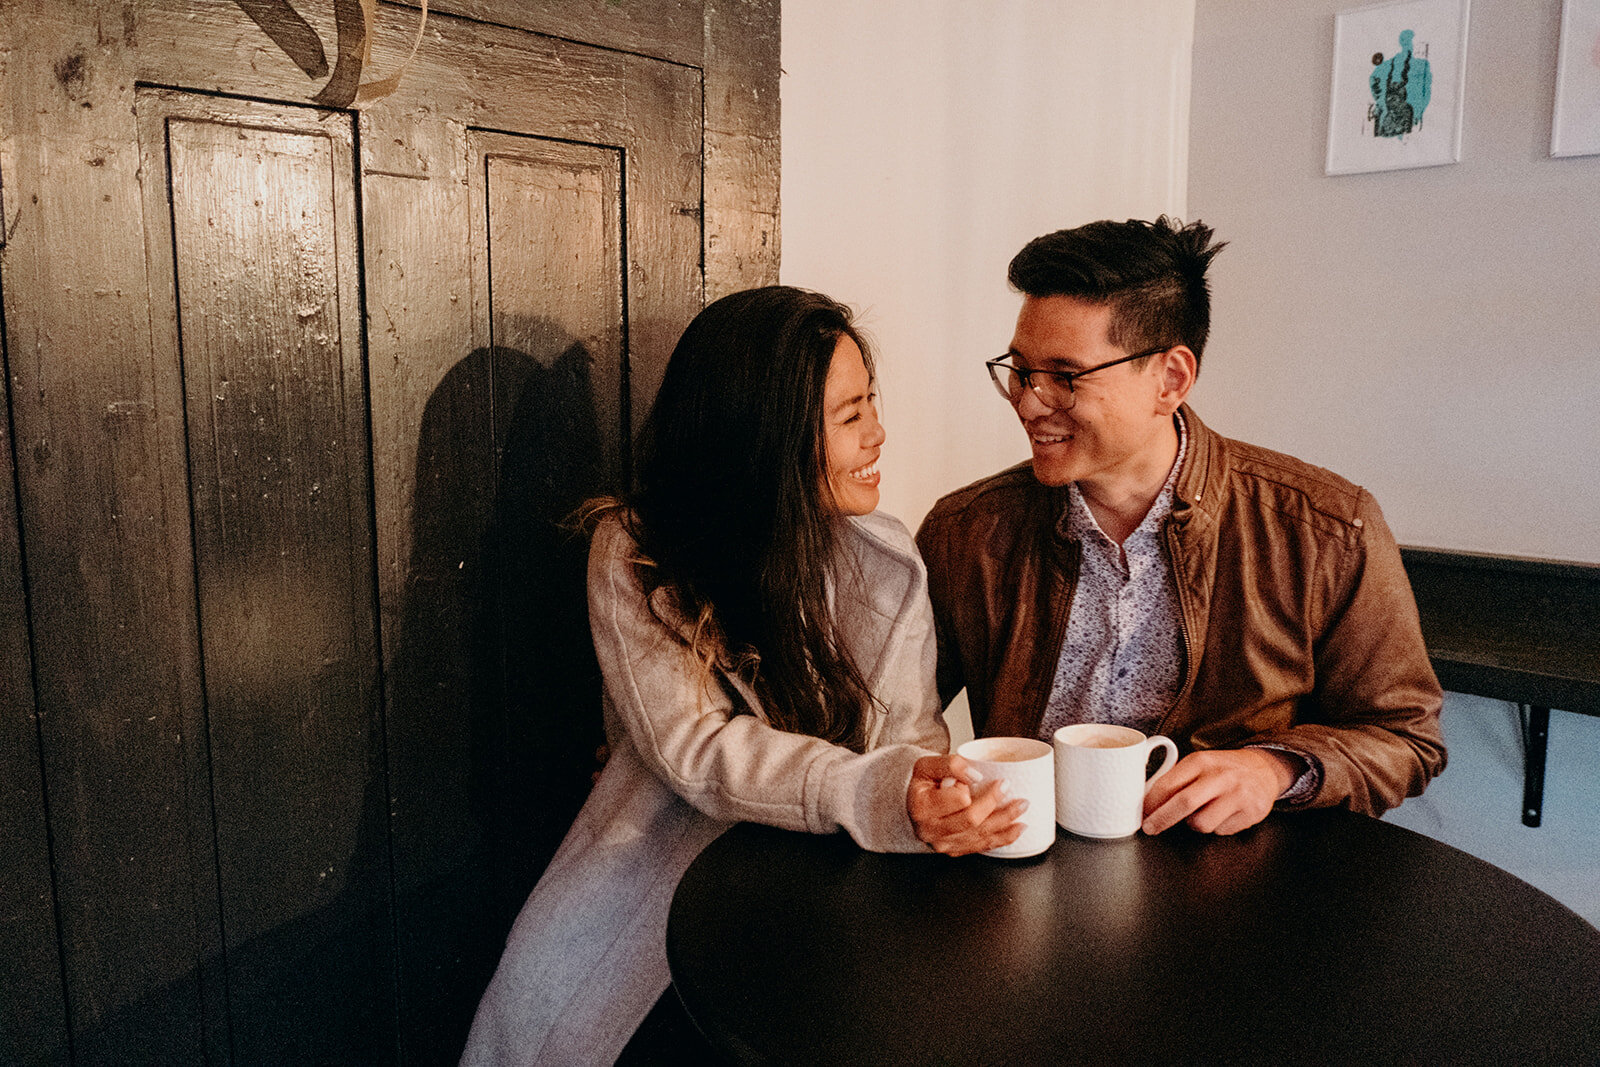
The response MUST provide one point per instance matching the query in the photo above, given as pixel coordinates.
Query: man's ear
(1178, 369)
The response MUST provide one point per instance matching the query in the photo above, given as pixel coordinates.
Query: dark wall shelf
(1513, 628)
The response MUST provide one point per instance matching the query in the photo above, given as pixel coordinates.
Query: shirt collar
(1081, 522)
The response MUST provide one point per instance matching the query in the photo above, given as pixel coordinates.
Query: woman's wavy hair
(731, 511)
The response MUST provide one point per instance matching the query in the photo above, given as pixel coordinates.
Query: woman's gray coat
(586, 958)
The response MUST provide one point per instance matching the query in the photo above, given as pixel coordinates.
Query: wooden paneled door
(296, 689)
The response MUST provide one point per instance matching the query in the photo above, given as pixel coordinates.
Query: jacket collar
(1197, 494)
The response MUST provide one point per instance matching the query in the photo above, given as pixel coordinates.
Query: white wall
(924, 142)
(1433, 334)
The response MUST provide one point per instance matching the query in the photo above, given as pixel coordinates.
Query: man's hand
(955, 818)
(1221, 791)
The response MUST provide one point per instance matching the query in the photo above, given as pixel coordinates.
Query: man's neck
(1119, 500)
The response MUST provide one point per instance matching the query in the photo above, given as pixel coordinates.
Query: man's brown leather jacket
(1299, 626)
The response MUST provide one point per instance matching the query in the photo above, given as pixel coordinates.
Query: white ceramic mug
(1029, 769)
(1100, 777)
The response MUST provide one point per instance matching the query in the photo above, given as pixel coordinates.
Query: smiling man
(1144, 570)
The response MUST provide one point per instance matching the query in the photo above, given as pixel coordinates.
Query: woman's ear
(1178, 368)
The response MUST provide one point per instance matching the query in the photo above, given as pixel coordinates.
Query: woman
(768, 654)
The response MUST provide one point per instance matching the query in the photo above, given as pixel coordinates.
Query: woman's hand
(956, 814)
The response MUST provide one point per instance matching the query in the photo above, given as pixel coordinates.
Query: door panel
(554, 273)
(434, 473)
(262, 228)
(526, 424)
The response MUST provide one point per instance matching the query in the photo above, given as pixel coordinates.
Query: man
(1149, 572)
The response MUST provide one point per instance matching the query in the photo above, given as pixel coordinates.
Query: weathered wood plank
(434, 478)
(35, 1029)
(98, 423)
(550, 256)
(742, 155)
(663, 29)
(463, 72)
(474, 456)
(666, 284)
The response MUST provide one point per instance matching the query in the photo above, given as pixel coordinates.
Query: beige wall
(1433, 334)
(924, 141)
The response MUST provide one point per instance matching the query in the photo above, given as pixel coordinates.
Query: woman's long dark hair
(731, 510)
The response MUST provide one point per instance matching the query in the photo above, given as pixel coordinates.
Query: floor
(1476, 804)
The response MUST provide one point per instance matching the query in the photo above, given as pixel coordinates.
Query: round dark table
(1317, 937)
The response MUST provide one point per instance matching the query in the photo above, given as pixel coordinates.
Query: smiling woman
(767, 649)
(854, 434)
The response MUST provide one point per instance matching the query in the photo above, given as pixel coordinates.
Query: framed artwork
(1575, 129)
(1398, 74)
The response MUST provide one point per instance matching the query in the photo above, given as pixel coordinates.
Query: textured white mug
(1029, 769)
(1100, 777)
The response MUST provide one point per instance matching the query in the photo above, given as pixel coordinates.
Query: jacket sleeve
(686, 728)
(933, 543)
(1374, 712)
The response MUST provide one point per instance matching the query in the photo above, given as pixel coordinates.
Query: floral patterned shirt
(1121, 658)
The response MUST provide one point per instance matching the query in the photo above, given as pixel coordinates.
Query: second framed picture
(1399, 70)
(1575, 129)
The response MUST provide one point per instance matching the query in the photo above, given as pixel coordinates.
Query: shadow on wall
(497, 713)
(537, 718)
(492, 720)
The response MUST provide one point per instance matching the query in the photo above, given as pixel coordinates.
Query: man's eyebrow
(1046, 364)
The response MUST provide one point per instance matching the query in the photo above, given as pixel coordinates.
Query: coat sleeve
(1374, 714)
(913, 713)
(912, 710)
(686, 728)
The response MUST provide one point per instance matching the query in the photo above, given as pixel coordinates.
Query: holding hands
(955, 812)
(1222, 791)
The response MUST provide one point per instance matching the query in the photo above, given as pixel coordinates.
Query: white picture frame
(1399, 75)
(1575, 124)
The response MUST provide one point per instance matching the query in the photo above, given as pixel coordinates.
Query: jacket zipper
(1173, 564)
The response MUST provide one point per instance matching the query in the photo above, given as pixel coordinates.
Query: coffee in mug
(1100, 777)
(1028, 767)
(1008, 749)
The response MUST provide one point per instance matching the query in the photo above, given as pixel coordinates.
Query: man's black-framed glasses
(1054, 388)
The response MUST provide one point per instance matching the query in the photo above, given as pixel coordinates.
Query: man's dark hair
(1152, 274)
